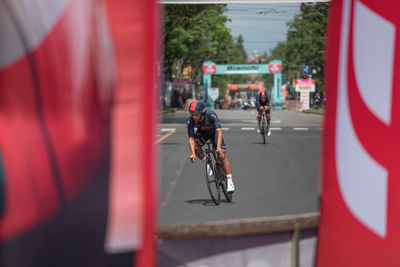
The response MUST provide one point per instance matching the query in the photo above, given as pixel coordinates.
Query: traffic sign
(306, 68)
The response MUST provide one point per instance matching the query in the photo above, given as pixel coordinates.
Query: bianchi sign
(251, 68)
(242, 69)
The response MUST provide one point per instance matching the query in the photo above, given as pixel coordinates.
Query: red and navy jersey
(207, 127)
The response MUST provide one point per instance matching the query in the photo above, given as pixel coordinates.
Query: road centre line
(172, 130)
(168, 129)
(165, 136)
(255, 121)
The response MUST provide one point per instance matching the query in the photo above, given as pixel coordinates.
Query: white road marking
(168, 129)
(300, 129)
(255, 121)
(247, 128)
(275, 129)
(225, 129)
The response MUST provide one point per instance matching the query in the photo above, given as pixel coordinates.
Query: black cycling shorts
(267, 112)
(202, 139)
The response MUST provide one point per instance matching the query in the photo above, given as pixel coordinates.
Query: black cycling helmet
(196, 108)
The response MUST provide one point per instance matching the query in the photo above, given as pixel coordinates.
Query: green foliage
(305, 43)
(196, 33)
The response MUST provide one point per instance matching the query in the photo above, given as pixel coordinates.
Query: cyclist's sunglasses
(195, 112)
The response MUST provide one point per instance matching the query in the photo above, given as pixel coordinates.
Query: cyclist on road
(263, 102)
(208, 127)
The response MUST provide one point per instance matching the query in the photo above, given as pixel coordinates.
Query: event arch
(274, 67)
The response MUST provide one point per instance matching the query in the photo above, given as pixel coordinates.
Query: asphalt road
(278, 178)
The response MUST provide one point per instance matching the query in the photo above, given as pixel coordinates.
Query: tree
(305, 42)
(236, 55)
(194, 34)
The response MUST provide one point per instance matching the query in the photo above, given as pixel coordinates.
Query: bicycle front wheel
(212, 182)
(263, 129)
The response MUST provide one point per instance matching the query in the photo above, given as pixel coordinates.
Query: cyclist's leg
(268, 116)
(259, 118)
(225, 164)
(228, 172)
(268, 121)
(259, 114)
(224, 160)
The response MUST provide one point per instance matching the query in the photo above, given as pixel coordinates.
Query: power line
(260, 30)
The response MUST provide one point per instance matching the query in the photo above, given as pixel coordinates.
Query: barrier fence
(270, 241)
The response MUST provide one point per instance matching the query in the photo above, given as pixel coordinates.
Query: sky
(261, 25)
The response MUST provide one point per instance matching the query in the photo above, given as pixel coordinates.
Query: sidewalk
(314, 111)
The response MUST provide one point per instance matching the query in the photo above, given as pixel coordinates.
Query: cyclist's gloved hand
(192, 157)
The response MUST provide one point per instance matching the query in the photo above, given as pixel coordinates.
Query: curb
(239, 227)
(312, 112)
(167, 111)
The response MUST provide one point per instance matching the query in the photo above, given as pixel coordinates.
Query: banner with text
(305, 85)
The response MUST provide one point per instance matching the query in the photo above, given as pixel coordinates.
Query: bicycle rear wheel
(223, 182)
(212, 182)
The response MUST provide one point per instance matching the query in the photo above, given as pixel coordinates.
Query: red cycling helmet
(196, 108)
(262, 93)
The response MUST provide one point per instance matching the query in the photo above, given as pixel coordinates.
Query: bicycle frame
(264, 120)
(263, 125)
(210, 150)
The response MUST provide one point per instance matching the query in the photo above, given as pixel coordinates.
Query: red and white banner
(303, 85)
(360, 216)
(132, 221)
(275, 68)
(209, 69)
(180, 83)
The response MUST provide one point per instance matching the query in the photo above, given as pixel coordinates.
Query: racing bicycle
(264, 129)
(215, 177)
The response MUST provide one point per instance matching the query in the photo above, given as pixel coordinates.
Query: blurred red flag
(135, 26)
(78, 107)
(361, 185)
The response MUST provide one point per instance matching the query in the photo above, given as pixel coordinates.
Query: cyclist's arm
(218, 130)
(219, 138)
(192, 145)
(191, 139)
